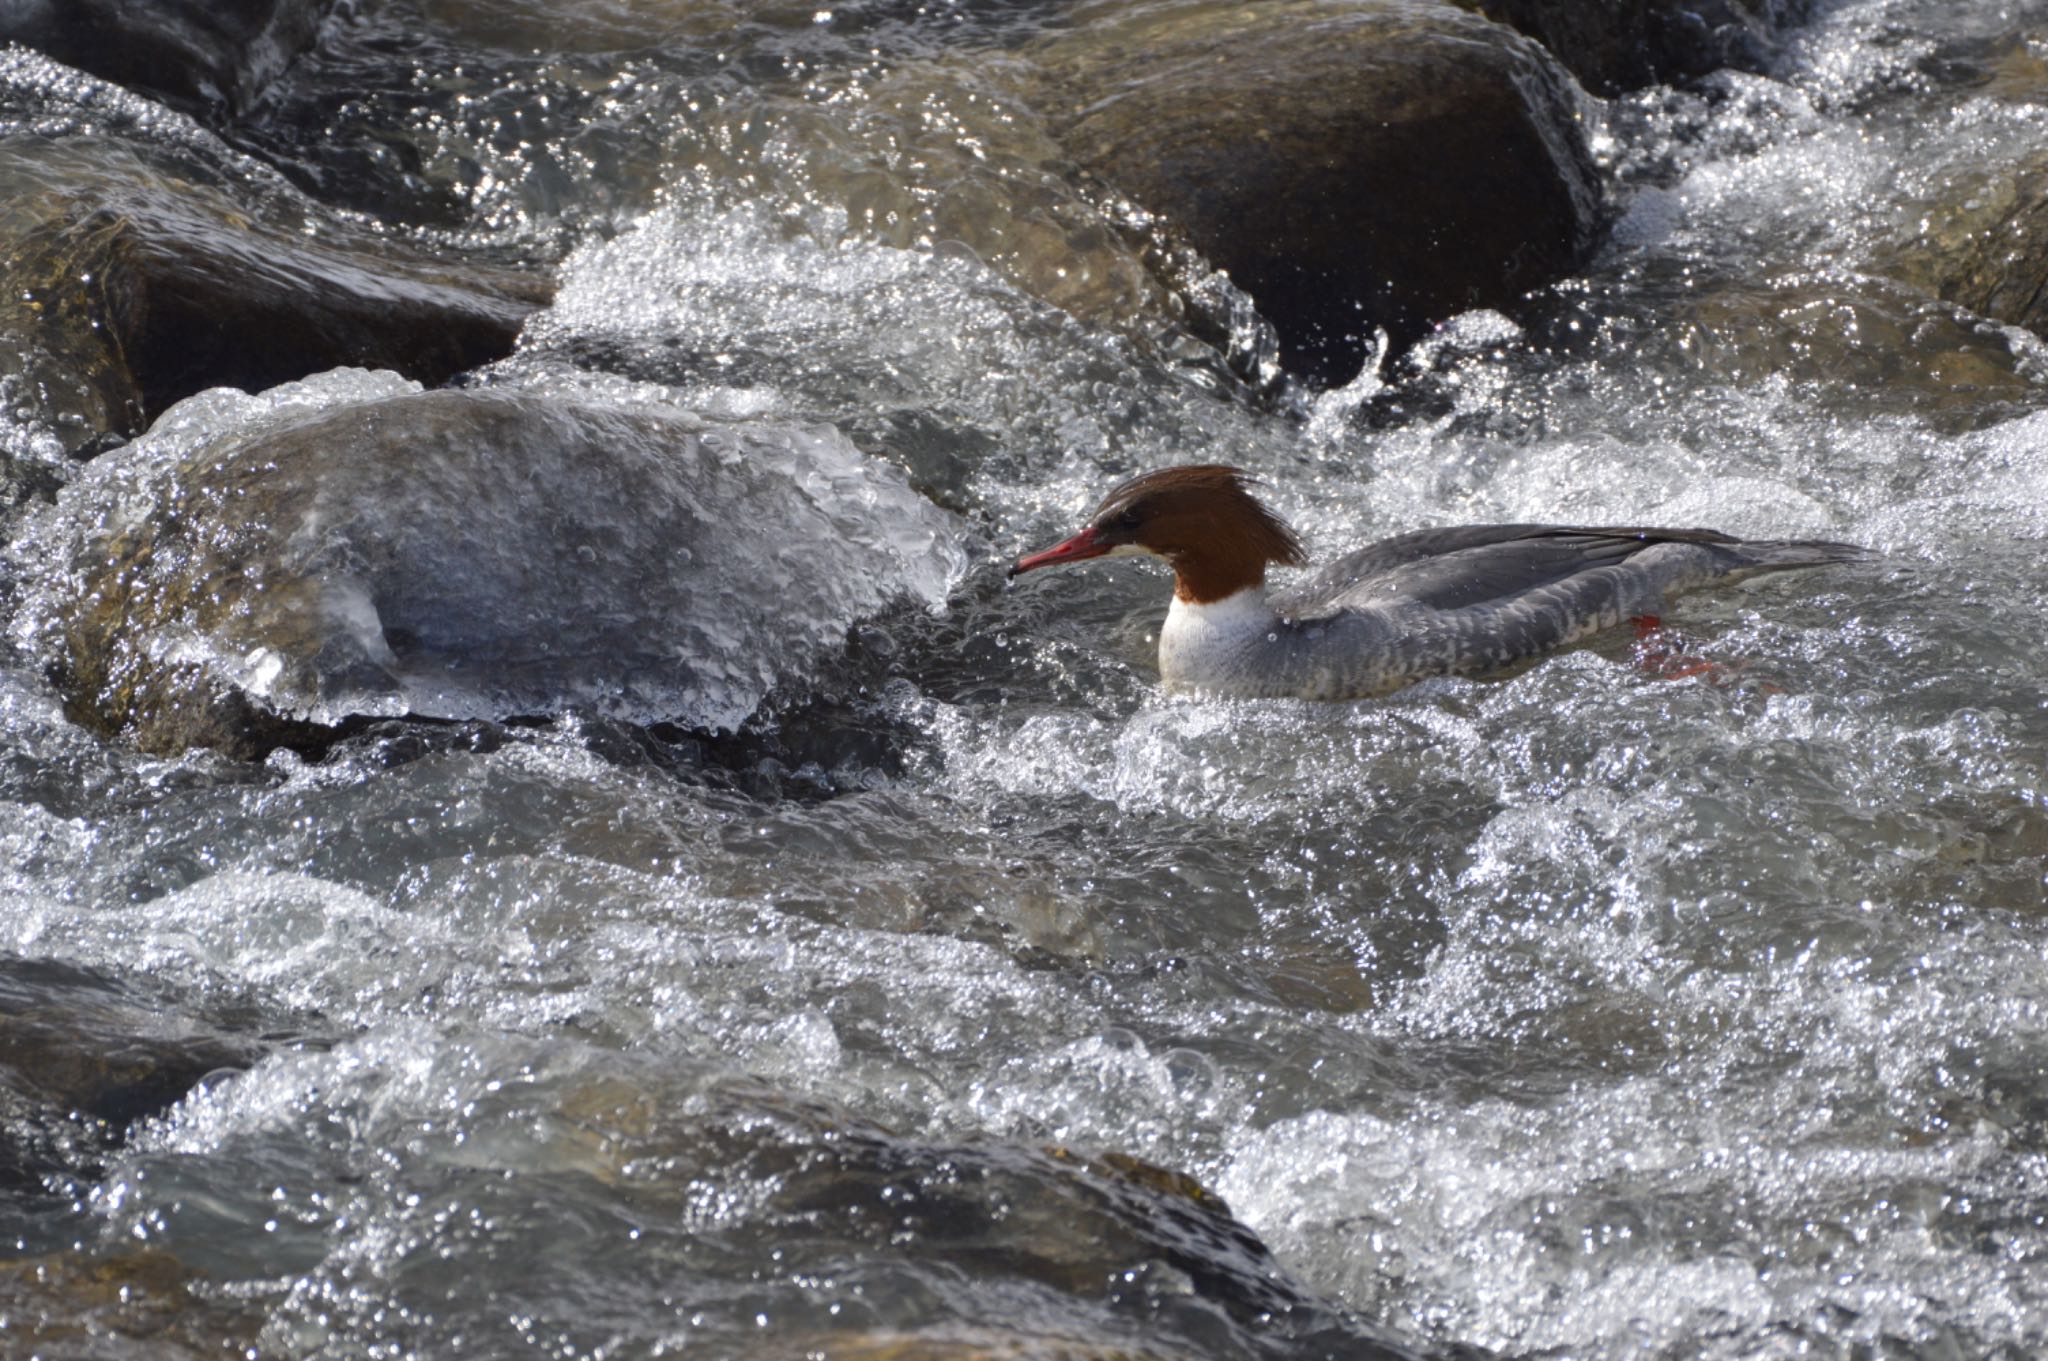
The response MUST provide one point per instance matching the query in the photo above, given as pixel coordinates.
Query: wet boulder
(1352, 166)
(131, 277)
(1617, 45)
(194, 53)
(1979, 239)
(260, 570)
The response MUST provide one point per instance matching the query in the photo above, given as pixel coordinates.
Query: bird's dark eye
(1128, 520)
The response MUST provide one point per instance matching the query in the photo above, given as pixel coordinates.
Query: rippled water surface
(1583, 1012)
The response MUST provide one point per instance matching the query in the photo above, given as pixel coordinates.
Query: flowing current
(1582, 1013)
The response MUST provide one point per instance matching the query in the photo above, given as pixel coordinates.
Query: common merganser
(1435, 602)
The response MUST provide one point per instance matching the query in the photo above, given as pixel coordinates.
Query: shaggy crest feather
(1204, 520)
(1239, 513)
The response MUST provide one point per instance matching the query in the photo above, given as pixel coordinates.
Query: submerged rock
(84, 1055)
(1132, 1259)
(977, 1345)
(126, 1305)
(189, 52)
(1867, 343)
(1980, 240)
(1351, 165)
(1616, 45)
(130, 278)
(260, 569)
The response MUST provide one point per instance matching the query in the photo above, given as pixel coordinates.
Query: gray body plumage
(1457, 601)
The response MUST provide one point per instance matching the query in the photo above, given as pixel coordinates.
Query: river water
(1584, 1013)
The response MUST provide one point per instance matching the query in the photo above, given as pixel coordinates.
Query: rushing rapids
(806, 943)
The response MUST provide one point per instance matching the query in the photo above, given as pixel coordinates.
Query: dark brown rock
(1617, 45)
(1377, 163)
(129, 280)
(195, 53)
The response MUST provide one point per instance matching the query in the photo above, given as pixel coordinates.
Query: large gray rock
(1616, 45)
(190, 52)
(259, 569)
(1353, 164)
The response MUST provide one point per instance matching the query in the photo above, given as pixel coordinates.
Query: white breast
(1219, 646)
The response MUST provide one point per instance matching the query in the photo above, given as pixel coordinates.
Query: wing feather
(1471, 566)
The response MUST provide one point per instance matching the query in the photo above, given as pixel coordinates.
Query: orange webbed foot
(1661, 653)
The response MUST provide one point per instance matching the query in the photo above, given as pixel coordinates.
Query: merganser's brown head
(1203, 520)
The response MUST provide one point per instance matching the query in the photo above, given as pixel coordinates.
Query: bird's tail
(1754, 557)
